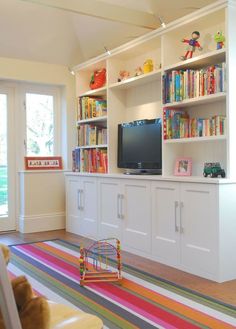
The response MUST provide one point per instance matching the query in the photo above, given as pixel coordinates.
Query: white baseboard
(42, 222)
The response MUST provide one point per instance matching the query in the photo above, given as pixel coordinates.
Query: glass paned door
(3, 157)
(7, 183)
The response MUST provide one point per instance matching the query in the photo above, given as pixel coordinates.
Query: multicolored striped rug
(142, 301)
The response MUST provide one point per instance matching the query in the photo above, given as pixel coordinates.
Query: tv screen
(139, 146)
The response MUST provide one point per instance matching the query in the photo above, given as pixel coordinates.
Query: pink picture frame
(183, 166)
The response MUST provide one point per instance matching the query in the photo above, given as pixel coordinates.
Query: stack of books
(179, 85)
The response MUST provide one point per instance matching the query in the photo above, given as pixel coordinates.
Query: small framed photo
(183, 167)
(43, 163)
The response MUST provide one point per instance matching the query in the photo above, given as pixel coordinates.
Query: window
(3, 156)
(41, 124)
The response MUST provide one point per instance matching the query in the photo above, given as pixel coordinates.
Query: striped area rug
(142, 301)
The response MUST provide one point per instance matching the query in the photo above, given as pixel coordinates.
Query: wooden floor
(225, 292)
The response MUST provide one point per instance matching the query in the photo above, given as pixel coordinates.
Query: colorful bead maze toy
(94, 262)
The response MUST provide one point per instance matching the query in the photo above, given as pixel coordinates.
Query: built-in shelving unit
(141, 97)
(185, 222)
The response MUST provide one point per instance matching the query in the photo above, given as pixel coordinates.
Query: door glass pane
(40, 124)
(3, 156)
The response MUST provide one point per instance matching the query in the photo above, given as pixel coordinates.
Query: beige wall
(36, 72)
(40, 196)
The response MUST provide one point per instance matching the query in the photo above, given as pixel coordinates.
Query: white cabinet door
(199, 222)
(109, 208)
(81, 204)
(72, 204)
(88, 207)
(165, 222)
(136, 215)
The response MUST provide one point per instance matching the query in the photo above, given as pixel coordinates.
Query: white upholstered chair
(62, 316)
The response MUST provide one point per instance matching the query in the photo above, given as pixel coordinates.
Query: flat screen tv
(140, 146)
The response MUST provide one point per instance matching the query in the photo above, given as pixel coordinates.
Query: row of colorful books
(89, 134)
(92, 160)
(91, 107)
(177, 124)
(179, 85)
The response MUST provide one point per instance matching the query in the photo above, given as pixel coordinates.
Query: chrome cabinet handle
(176, 226)
(121, 206)
(78, 199)
(81, 200)
(181, 225)
(118, 205)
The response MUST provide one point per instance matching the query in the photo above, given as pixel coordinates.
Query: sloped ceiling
(39, 31)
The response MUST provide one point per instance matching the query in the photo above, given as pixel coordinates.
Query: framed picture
(43, 163)
(183, 167)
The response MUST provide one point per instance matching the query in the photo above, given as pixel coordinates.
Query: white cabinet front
(184, 222)
(125, 212)
(82, 206)
(72, 204)
(166, 222)
(136, 211)
(109, 208)
(199, 221)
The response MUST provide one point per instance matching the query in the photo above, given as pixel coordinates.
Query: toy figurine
(148, 66)
(192, 44)
(138, 71)
(219, 39)
(123, 75)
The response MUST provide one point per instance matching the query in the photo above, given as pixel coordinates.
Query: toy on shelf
(148, 66)
(138, 71)
(94, 262)
(192, 44)
(219, 39)
(98, 79)
(213, 169)
(123, 75)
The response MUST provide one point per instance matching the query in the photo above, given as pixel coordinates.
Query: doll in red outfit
(192, 44)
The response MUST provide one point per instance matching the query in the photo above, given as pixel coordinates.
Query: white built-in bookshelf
(185, 222)
(140, 97)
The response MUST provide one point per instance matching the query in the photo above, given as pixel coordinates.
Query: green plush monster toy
(219, 39)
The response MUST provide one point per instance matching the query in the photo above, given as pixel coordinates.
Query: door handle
(176, 226)
(118, 205)
(81, 200)
(121, 206)
(181, 225)
(78, 200)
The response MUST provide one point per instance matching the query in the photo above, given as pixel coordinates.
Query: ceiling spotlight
(71, 71)
(162, 22)
(107, 51)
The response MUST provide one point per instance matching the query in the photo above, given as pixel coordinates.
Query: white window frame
(51, 91)
(9, 222)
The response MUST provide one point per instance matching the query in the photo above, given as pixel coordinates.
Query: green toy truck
(213, 169)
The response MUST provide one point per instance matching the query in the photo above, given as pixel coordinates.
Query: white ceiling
(36, 30)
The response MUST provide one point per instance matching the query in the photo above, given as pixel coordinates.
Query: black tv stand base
(143, 172)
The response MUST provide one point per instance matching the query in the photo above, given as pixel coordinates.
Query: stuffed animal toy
(148, 66)
(33, 311)
(123, 75)
(98, 79)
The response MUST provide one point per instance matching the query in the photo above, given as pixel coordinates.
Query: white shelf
(198, 100)
(92, 146)
(137, 81)
(195, 139)
(213, 57)
(95, 92)
(91, 120)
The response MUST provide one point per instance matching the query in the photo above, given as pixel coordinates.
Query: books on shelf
(179, 85)
(178, 124)
(89, 160)
(91, 107)
(89, 134)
